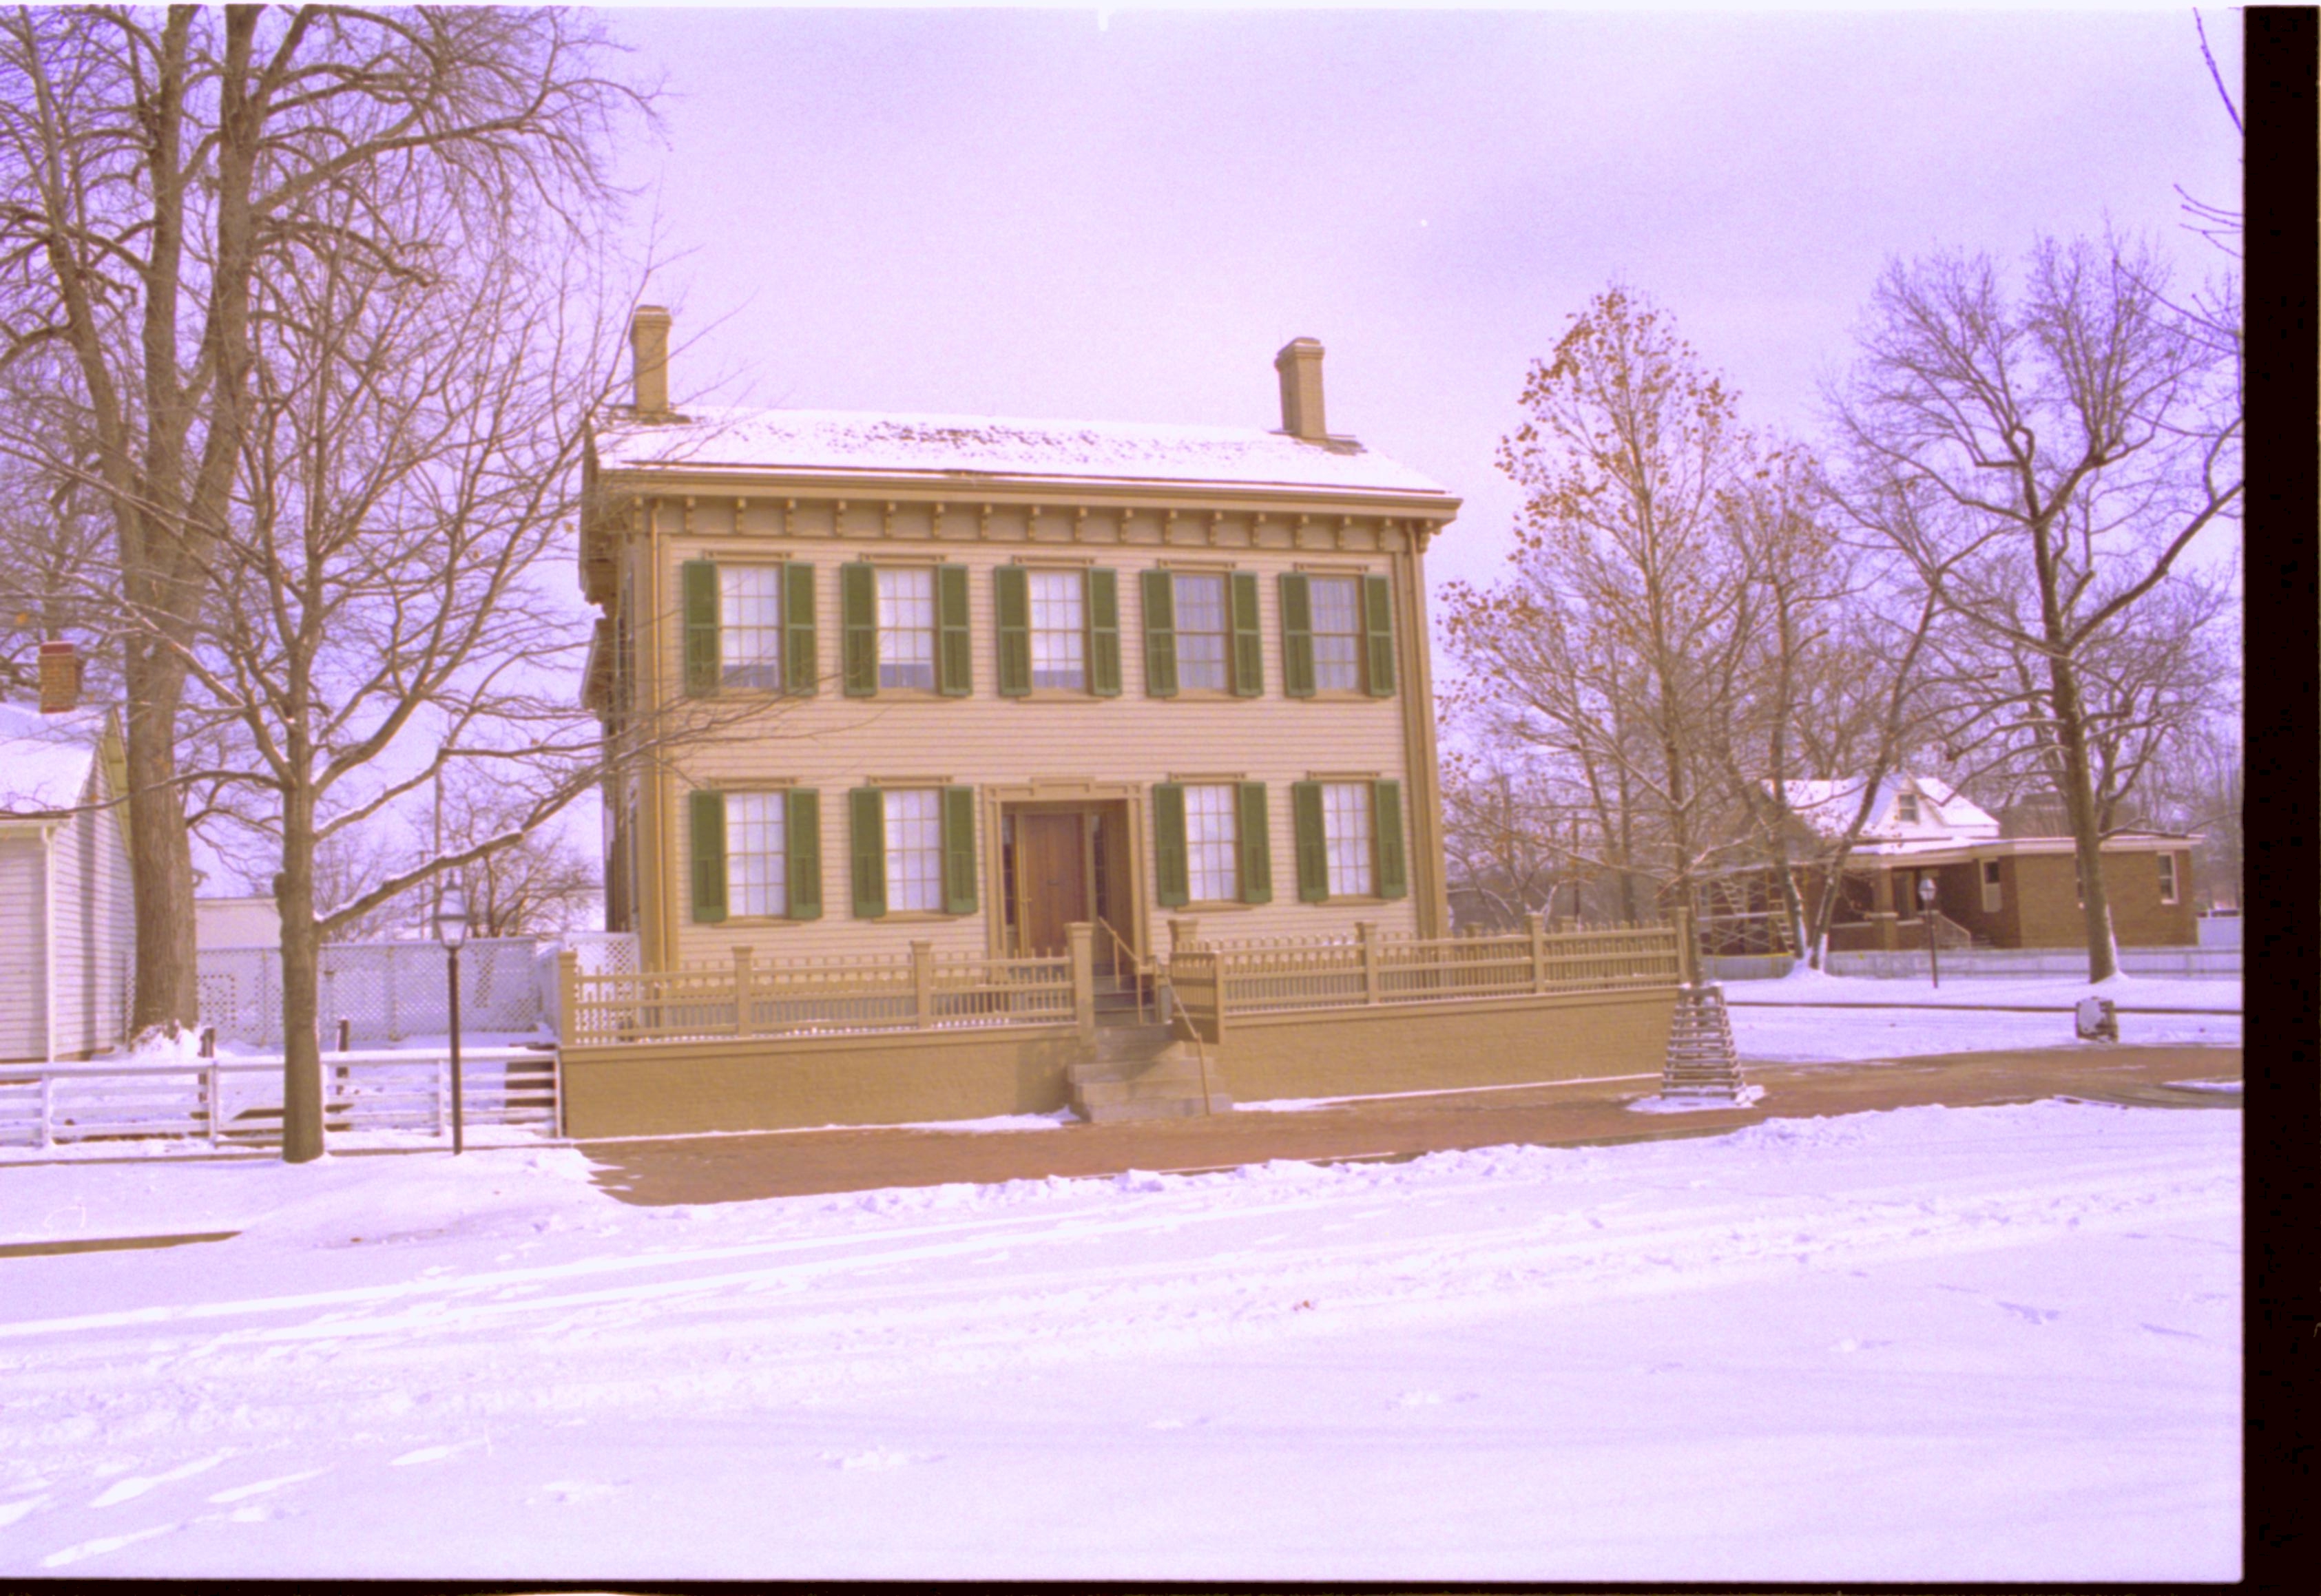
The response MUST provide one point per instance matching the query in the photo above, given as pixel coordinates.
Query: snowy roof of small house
(45, 760)
(1827, 808)
(946, 447)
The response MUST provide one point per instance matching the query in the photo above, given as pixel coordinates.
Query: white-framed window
(1337, 612)
(750, 627)
(1202, 633)
(2167, 877)
(1059, 630)
(914, 850)
(1993, 893)
(1212, 844)
(1346, 836)
(757, 859)
(1906, 809)
(907, 627)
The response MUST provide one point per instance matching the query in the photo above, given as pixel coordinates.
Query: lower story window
(1346, 833)
(1212, 839)
(757, 857)
(915, 853)
(2167, 878)
(1993, 893)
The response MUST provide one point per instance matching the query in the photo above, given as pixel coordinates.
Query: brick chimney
(1299, 364)
(59, 678)
(649, 347)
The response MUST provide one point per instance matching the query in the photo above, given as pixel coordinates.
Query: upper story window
(1201, 633)
(750, 627)
(1059, 630)
(1337, 634)
(1906, 808)
(907, 627)
(747, 627)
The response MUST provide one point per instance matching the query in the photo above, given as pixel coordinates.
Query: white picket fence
(390, 991)
(238, 1101)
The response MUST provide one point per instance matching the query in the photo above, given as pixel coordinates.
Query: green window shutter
(699, 583)
(1296, 636)
(1171, 877)
(958, 850)
(858, 604)
(1248, 646)
(1159, 634)
(708, 858)
(1313, 849)
(866, 842)
(954, 656)
(802, 838)
(1103, 612)
(1011, 602)
(800, 665)
(1378, 619)
(1256, 846)
(1385, 826)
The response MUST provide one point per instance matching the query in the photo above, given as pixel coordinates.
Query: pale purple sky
(1040, 213)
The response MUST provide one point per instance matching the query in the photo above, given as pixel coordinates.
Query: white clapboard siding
(92, 928)
(24, 944)
(833, 743)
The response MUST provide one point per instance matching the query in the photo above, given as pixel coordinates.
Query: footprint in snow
(2164, 1330)
(2037, 1316)
(1851, 1344)
(98, 1548)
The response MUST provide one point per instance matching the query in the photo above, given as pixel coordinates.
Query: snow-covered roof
(940, 447)
(45, 760)
(1827, 808)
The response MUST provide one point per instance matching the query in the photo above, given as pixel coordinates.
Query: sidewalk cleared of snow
(1931, 1343)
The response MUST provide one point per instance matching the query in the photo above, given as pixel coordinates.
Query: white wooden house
(68, 930)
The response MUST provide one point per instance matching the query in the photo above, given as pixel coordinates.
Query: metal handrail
(1138, 969)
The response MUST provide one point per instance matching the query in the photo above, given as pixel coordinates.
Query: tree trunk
(167, 993)
(2087, 835)
(302, 1055)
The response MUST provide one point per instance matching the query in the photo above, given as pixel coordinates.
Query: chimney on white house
(61, 665)
(649, 347)
(1299, 364)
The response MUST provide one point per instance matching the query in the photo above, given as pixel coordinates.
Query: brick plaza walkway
(740, 1168)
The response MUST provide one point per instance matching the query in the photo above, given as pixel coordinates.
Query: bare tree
(2044, 459)
(157, 170)
(1614, 645)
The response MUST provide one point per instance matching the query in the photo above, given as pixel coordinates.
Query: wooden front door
(1052, 850)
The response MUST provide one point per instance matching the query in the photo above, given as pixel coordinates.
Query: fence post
(1183, 933)
(1366, 935)
(216, 1102)
(1537, 928)
(923, 980)
(567, 997)
(1688, 957)
(443, 1092)
(48, 1111)
(742, 992)
(1080, 937)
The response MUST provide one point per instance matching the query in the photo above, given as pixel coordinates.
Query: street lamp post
(452, 931)
(1933, 954)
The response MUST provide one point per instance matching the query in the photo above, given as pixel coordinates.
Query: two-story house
(986, 678)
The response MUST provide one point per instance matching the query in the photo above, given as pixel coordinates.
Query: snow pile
(1941, 1345)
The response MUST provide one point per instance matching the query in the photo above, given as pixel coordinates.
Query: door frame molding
(1065, 792)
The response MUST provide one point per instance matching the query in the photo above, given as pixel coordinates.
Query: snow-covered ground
(1806, 1017)
(1933, 1344)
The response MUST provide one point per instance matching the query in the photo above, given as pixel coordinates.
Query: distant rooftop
(45, 760)
(944, 446)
